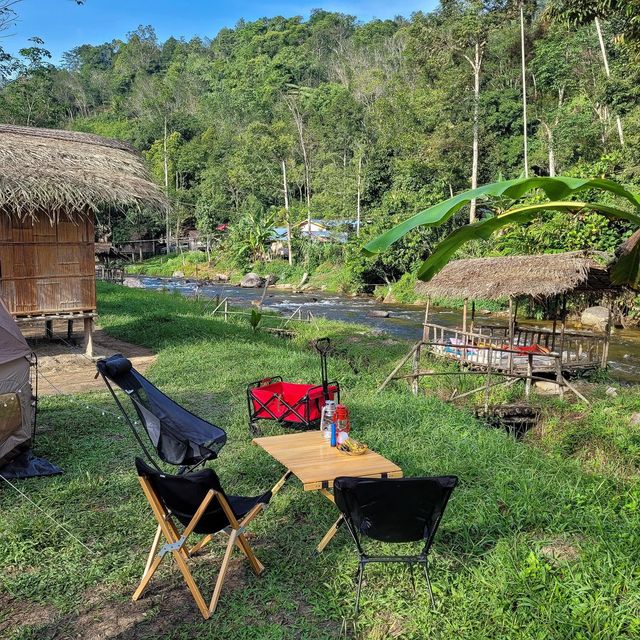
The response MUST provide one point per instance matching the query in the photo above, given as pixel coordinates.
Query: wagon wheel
(254, 430)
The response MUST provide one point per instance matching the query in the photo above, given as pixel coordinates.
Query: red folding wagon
(294, 405)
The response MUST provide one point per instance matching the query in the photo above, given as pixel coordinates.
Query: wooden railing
(574, 346)
(487, 345)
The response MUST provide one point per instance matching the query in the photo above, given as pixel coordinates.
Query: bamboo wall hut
(547, 278)
(52, 185)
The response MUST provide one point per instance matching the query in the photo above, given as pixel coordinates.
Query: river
(404, 321)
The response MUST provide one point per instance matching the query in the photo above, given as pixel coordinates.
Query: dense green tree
(282, 119)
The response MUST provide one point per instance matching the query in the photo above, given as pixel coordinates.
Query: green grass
(531, 546)
(191, 263)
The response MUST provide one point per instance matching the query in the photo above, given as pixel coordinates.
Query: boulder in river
(596, 317)
(222, 277)
(134, 283)
(251, 281)
(177, 274)
(379, 313)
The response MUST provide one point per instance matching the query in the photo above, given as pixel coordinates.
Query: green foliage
(404, 289)
(376, 113)
(249, 238)
(255, 319)
(507, 211)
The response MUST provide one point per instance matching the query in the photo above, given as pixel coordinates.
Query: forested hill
(379, 113)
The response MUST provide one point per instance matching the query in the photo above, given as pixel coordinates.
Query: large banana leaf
(557, 188)
(483, 230)
(625, 272)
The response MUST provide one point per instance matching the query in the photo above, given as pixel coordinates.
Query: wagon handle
(323, 346)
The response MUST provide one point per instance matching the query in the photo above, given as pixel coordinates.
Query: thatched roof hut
(51, 185)
(63, 173)
(536, 276)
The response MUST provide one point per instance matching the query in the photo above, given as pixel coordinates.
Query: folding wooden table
(309, 457)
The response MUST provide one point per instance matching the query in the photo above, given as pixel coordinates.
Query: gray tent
(16, 410)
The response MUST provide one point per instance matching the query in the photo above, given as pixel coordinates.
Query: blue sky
(63, 25)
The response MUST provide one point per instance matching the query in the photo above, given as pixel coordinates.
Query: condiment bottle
(343, 425)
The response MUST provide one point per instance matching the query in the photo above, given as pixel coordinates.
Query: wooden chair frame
(176, 544)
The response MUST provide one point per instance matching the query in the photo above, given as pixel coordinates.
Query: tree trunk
(551, 150)
(476, 111)
(524, 93)
(607, 71)
(358, 202)
(166, 179)
(286, 208)
(297, 118)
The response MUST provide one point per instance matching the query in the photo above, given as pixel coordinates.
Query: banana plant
(626, 271)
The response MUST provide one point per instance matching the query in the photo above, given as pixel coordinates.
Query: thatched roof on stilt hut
(537, 276)
(62, 173)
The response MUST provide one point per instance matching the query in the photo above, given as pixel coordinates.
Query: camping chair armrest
(252, 513)
(199, 513)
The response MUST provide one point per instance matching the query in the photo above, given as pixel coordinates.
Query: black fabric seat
(197, 501)
(183, 494)
(180, 437)
(395, 510)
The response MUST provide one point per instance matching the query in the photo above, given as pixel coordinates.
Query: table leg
(278, 485)
(329, 535)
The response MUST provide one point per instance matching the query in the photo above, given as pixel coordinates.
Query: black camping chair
(393, 510)
(179, 437)
(199, 503)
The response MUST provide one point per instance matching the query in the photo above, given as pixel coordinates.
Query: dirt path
(62, 366)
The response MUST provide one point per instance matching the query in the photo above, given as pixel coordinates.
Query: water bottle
(326, 418)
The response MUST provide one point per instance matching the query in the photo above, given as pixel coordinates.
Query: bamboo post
(399, 366)
(69, 329)
(527, 384)
(486, 389)
(559, 376)
(88, 337)
(607, 335)
(563, 312)
(511, 327)
(473, 314)
(415, 367)
(572, 388)
(425, 329)
(464, 315)
(226, 310)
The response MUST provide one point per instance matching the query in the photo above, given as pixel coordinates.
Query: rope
(86, 406)
(39, 508)
(103, 412)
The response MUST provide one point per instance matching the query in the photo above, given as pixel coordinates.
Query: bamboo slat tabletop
(316, 464)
